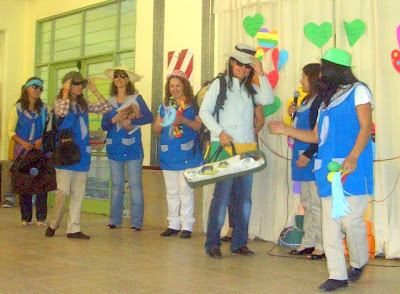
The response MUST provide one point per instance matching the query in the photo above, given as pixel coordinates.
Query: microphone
(79, 65)
(296, 95)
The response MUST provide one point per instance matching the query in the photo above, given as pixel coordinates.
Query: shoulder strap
(219, 104)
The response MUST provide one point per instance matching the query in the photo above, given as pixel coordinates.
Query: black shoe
(354, 273)
(186, 234)
(215, 253)
(136, 229)
(169, 232)
(243, 250)
(331, 285)
(226, 239)
(50, 232)
(316, 256)
(78, 235)
(302, 252)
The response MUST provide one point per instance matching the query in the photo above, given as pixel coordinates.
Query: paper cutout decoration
(267, 39)
(272, 108)
(273, 77)
(253, 24)
(259, 53)
(396, 53)
(279, 58)
(318, 34)
(398, 35)
(396, 60)
(354, 30)
(283, 58)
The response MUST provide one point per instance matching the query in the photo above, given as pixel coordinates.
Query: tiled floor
(120, 261)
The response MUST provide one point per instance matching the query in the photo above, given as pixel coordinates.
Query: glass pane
(44, 42)
(67, 43)
(43, 73)
(100, 30)
(127, 59)
(98, 184)
(127, 26)
(96, 72)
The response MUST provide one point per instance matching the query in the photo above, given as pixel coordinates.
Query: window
(98, 37)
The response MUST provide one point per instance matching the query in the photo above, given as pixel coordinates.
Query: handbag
(66, 153)
(31, 173)
(50, 132)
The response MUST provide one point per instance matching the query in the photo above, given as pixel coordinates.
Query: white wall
(18, 20)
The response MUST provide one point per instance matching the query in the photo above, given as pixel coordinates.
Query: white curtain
(274, 204)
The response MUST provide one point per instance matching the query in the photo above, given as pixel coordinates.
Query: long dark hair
(24, 98)
(130, 88)
(332, 77)
(187, 90)
(80, 100)
(247, 81)
(312, 71)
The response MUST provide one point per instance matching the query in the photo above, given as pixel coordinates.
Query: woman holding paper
(124, 144)
(343, 133)
(179, 150)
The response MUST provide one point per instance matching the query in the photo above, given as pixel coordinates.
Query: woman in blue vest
(343, 134)
(25, 127)
(303, 157)
(124, 144)
(71, 106)
(179, 150)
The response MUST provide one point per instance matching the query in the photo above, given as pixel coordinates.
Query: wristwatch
(185, 121)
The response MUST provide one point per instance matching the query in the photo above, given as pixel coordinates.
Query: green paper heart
(318, 35)
(354, 30)
(253, 24)
(272, 108)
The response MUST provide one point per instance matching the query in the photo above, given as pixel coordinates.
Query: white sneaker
(8, 204)
(41, 224)
(24, 224)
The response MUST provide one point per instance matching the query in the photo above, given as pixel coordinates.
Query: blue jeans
(236, 192)
(134, 170)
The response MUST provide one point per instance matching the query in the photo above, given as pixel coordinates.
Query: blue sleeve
(106, 123)
(147, 117)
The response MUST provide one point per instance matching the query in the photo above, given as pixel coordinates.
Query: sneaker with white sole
(8, 204)
(41, 224)
(24, 224)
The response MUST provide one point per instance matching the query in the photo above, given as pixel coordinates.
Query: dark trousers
(26, 206)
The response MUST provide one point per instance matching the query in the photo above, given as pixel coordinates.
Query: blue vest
(30, 125)
(120, 144)
(179, 153)
(81, 138)
(338, 128)
(302, 122)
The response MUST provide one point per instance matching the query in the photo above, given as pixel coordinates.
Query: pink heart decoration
(275, 57)
(398, 35)
(396, 60)
(273, 77)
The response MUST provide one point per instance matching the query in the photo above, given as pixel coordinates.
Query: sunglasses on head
(37, 87)
(238, 63)
(120, 75)
(77, 83)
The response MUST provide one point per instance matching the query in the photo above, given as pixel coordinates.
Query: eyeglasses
(77, 83)
(37, 87)
(120, 75)
(238, 63)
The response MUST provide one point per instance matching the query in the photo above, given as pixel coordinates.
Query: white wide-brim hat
(133, 77)
(243, 53)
